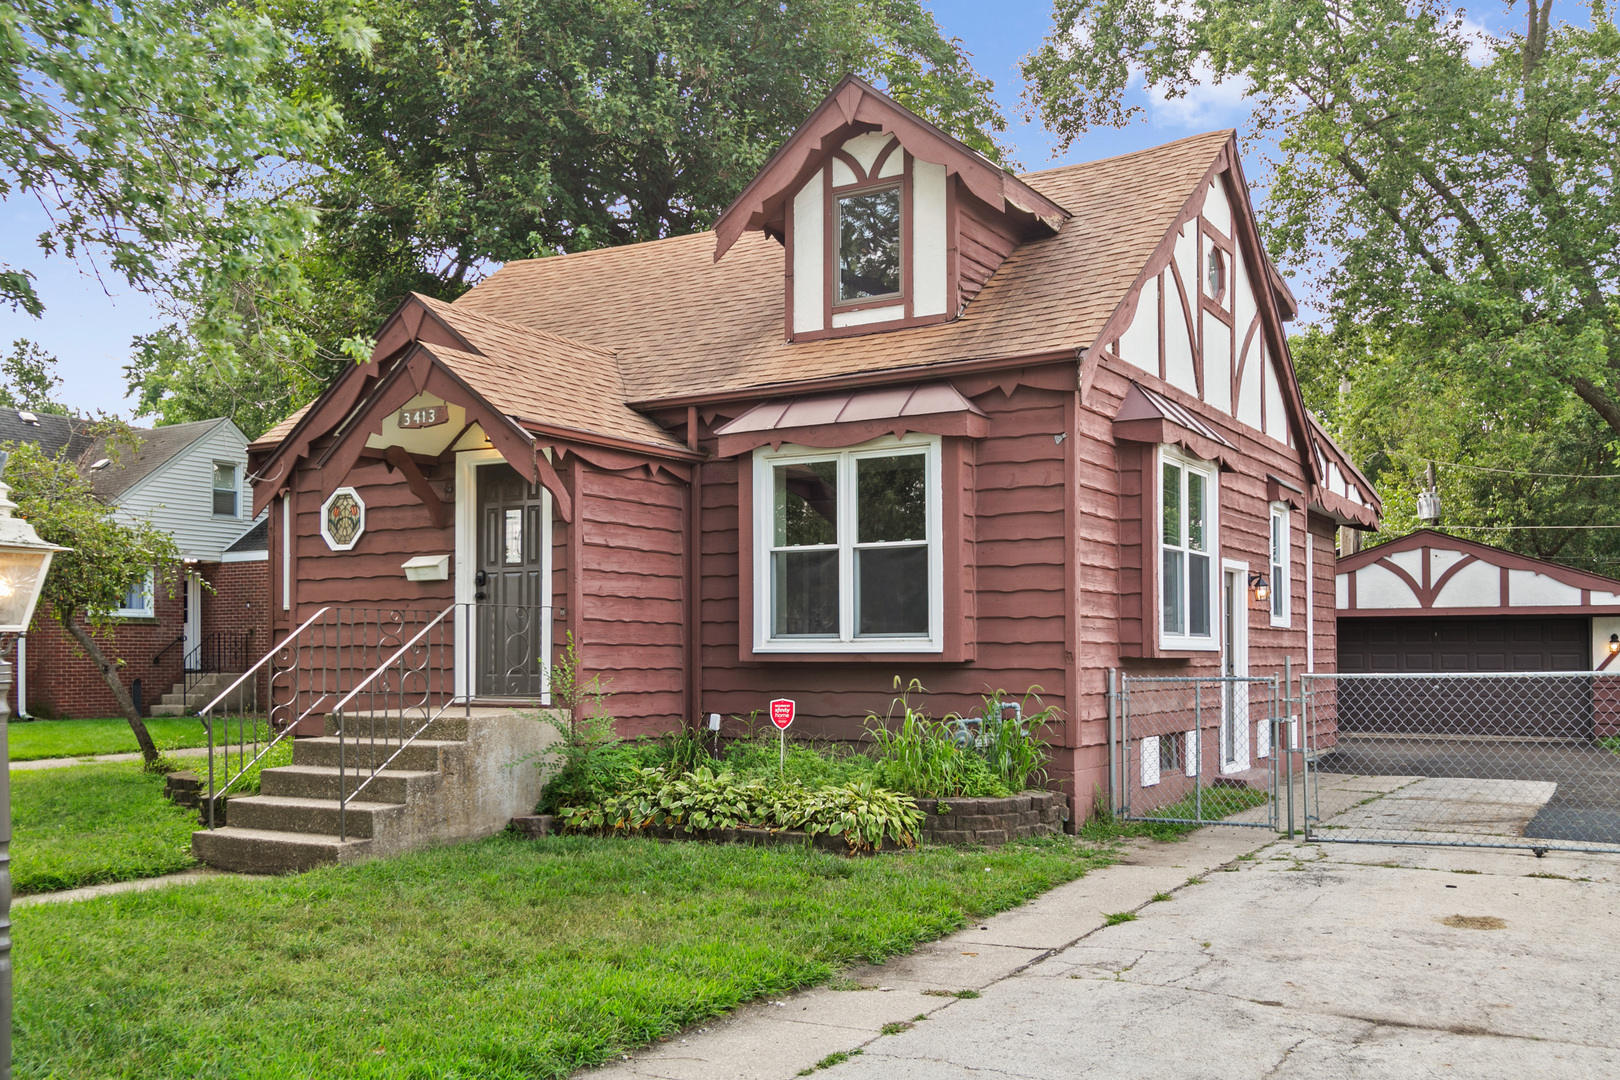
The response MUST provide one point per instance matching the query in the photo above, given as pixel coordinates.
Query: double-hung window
(1187, 547)
(225, 489)
(138, 602)
(848, 552)
(1280, 569)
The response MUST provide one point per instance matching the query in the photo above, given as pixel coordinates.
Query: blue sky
(88, 323)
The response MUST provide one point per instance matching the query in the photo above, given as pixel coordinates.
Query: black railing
(222, 652)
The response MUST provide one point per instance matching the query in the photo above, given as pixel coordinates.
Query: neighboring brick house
(207, 615)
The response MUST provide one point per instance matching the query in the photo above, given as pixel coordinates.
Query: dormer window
(869, 245)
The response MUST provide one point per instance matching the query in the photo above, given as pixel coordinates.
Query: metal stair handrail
(365, 685)
(206, 716)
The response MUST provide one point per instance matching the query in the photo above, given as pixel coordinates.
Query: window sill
(1179, 646)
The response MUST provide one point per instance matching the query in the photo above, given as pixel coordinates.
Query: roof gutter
(885, 377)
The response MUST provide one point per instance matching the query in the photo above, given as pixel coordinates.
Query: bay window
(848, 548)
(1187, 547)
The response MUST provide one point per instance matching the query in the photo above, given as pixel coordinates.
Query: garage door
(1470, 707)
(1496, 644)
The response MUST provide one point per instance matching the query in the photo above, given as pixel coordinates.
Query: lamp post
(24, 561)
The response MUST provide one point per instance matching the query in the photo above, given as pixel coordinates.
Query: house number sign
(423, 417)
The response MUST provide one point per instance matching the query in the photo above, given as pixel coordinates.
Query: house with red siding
(900, 413)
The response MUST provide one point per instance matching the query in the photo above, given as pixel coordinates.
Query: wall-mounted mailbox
(427, 568)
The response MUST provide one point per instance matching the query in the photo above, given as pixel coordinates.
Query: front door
(191, 628)
(510, 586)
(1234, 667)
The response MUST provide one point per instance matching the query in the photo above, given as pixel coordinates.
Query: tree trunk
(109, 675)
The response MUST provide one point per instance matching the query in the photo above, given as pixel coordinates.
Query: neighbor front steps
(453, 782)
(179, 701)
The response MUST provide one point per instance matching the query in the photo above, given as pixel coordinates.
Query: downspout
(694, 577)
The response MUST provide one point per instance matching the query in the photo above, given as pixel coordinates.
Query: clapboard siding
(984, 239)
(1007, 568)
(178, 496)
(633, 596)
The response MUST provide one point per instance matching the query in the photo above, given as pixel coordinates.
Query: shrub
(702, 799)
(930, 758)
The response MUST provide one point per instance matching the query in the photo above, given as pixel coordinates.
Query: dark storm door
(510, 584)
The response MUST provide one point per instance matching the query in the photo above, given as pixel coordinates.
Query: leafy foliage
(28, 379)
(701, 799)
(1452, 198)
(105, 557)
(995, 755)
(478, 132)
(154, 139)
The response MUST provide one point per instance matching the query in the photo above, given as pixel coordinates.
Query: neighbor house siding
(178, 497)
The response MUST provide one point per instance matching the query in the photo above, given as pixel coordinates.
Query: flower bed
(993, 822)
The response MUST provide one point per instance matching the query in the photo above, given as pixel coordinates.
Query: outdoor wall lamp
(24, 559)
(1261, 588)
(1614, 644)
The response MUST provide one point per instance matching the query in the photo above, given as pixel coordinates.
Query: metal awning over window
(852, 417)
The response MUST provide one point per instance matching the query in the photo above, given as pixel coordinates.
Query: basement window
(848, 554)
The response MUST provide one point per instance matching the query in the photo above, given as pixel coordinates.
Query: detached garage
(1429, 602)
(1436, 604)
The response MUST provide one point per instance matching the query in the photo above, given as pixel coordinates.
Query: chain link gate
(1500, 760)
(1200, 750)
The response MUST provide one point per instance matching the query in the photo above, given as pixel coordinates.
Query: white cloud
(1206, 105)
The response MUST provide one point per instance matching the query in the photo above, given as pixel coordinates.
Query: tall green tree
(159, 148)
(28, 379)
(481, 131)
(107, 558)
(1450, 195)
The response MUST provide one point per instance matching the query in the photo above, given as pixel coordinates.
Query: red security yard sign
(782, 710)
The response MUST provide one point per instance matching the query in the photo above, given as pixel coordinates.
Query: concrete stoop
(457, 781)
(178, 701)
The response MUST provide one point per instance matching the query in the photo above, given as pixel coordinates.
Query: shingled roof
(685, 326)
(577, 340)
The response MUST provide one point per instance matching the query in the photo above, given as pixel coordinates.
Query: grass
(33, 740)
(1118, 917)
(89, 824)
(502, 958)
(837, 1058)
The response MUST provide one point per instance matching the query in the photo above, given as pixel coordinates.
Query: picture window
(851, 548)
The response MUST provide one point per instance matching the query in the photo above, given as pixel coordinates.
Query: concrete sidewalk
(1268, 959)
(65, 762)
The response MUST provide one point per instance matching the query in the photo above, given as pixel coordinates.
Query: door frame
(1235, 649)
(466, 562)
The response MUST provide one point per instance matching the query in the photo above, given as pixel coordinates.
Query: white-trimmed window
(1280, 568)
(847, 548)
(226, 489)
(138, 600)
(1188, 496)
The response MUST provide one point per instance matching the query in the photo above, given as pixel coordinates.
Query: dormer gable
(885, 220)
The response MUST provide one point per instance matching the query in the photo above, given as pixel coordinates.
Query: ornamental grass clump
(961, 757)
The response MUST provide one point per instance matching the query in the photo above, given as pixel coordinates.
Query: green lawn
(35, 739)
(498, 959)
(87, 824)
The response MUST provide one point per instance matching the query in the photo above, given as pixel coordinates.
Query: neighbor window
(1187, 544)
(224, 490)
(137, 602)
(849, 548)
(1279, 565)
(868, 245)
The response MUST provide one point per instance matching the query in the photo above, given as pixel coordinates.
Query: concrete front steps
(179, 702)
(452, 783)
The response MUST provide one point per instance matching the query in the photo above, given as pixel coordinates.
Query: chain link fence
(1197, 750)
(1510, 760)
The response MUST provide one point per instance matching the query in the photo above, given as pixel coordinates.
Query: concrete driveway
(1268, 959)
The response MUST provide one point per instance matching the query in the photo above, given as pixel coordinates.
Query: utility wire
(1515, 472)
